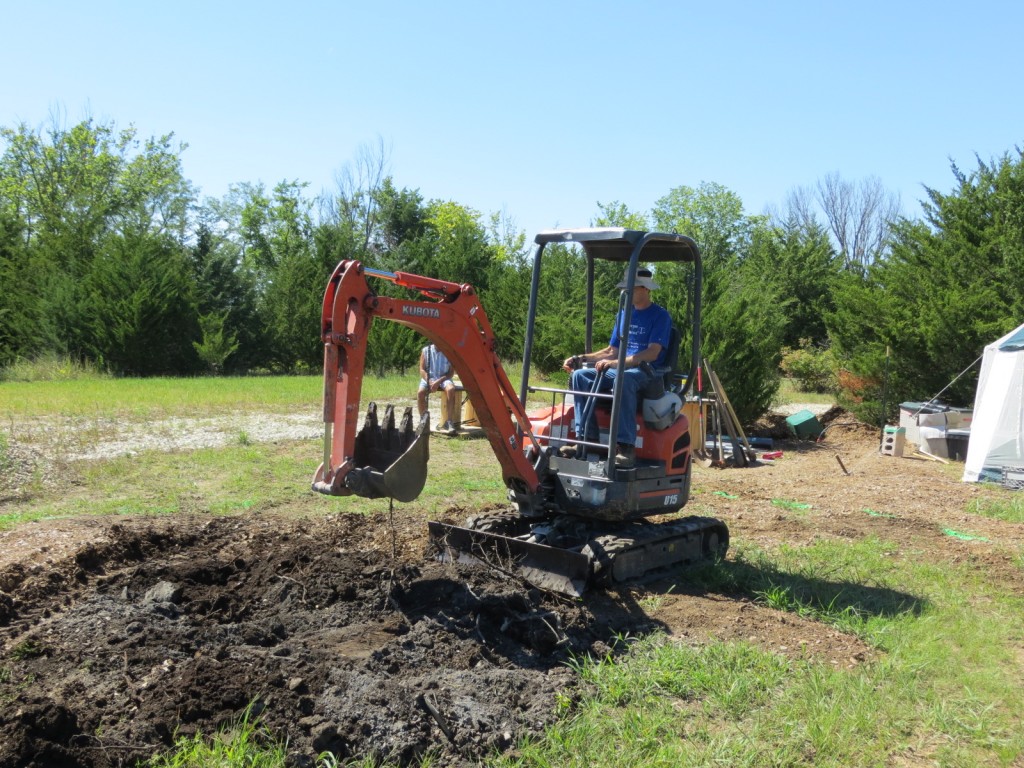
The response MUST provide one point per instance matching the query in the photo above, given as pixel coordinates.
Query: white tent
(997, 430)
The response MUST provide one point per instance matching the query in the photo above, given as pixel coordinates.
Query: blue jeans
(633, 382)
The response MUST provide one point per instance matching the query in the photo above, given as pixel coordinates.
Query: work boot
(625, 455)
(568, 451)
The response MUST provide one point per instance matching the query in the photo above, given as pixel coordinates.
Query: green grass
(142, 399)
(788, 393)
(1010, 508)
(49, 368)
(244, 743)
(250, 478)
(945, 691)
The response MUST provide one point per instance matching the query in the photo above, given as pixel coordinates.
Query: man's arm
(576, 361)
(647, 355)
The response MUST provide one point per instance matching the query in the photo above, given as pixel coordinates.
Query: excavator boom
(381, 459)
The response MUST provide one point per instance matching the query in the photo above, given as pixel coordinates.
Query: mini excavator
(573, 521)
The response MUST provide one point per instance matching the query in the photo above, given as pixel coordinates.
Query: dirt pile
(339, 647)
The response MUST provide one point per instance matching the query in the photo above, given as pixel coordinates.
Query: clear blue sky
(537, 109)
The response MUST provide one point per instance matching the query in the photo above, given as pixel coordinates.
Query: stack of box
(937, 429)
(931, 428)
(1013, 478)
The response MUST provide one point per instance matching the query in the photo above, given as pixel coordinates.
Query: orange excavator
(572, 521)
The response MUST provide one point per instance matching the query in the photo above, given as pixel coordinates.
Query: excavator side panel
(658, 484)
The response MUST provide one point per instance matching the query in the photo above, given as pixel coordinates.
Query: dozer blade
(390, 462)
(559, 570)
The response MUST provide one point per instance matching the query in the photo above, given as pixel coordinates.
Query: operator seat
(660, 403)
(667, 370)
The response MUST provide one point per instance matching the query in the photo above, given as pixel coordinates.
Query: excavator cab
(593, 485)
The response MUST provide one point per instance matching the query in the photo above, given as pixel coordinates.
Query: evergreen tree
(71, 190)
(226, 303)
(140, 317)
(24, 329)
(952, 284)
(279, 233)
(798, 261)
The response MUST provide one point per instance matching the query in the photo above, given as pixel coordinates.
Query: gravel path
(30, 448)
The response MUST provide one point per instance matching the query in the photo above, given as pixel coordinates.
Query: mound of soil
(343, 634)
(340, 646)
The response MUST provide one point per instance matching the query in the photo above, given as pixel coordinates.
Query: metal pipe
(531, 321)
(626, 308)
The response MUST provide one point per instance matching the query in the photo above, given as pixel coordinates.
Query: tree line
(108, 255)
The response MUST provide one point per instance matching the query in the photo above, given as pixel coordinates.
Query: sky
(539, 111)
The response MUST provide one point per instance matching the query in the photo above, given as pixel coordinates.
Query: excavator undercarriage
(567, 554)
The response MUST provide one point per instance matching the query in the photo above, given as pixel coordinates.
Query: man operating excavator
(650, 329)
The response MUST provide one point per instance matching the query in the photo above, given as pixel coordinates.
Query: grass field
(946, 691)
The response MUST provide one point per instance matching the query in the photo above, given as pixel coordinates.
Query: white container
(933, 441)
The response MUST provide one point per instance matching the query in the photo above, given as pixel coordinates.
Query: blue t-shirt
(652, 325)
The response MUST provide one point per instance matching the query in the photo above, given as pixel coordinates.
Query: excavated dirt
(344, 635)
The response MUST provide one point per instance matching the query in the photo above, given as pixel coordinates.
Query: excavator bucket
(390, 461)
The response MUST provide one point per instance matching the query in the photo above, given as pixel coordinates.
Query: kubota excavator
(572, 521)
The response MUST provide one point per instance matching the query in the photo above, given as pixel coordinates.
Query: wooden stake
(932, 456)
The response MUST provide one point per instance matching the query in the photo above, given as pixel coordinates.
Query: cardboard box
(959, 419)
(933, 419)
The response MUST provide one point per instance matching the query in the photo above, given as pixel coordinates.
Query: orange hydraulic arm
(448, 314)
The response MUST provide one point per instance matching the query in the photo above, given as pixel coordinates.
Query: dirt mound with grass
(343, 634)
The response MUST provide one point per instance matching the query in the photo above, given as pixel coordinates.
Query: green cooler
(804, 425)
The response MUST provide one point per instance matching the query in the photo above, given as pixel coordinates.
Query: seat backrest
(664, 374)
(668, 368)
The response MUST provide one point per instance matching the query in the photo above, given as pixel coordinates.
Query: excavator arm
(381, 460)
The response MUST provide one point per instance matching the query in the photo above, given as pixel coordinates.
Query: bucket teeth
(390, 461)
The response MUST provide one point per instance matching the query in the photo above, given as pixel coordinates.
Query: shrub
(812, 367)
(51, 367)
